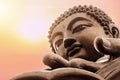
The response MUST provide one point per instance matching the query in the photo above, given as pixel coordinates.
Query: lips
(74, 49)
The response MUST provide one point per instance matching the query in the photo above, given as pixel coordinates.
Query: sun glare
(32, 29)
(3, 10)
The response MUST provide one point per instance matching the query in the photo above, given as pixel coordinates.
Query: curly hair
(100, 16)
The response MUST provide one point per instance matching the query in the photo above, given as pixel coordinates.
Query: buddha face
(74, 37)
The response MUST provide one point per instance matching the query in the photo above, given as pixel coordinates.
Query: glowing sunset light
(24, 26)
(32, 29)
(34, 24)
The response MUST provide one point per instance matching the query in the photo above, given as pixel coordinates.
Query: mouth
(73, 50)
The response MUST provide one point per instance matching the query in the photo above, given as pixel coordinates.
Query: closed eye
(81, 27)
(58, 43)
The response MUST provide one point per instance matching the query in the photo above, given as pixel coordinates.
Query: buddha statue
(85, 46)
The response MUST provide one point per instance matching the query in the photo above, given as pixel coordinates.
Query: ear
(114, 31)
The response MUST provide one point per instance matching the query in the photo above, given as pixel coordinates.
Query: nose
(68, 42)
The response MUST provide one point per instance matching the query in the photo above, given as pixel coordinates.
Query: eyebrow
(56, 34)
(75, 20)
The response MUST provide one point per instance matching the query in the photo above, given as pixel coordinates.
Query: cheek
(87, 41)
(86, 38)
(88, 35)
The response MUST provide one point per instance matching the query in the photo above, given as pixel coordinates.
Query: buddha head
(73, 33)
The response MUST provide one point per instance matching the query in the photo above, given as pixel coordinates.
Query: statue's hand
(55, 61)
(110, 46)
(85, 64)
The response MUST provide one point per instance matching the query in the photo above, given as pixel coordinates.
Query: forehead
(64, 24)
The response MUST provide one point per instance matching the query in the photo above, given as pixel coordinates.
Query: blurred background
(24, 26)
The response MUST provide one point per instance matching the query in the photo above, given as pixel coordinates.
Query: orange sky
(23, 30)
